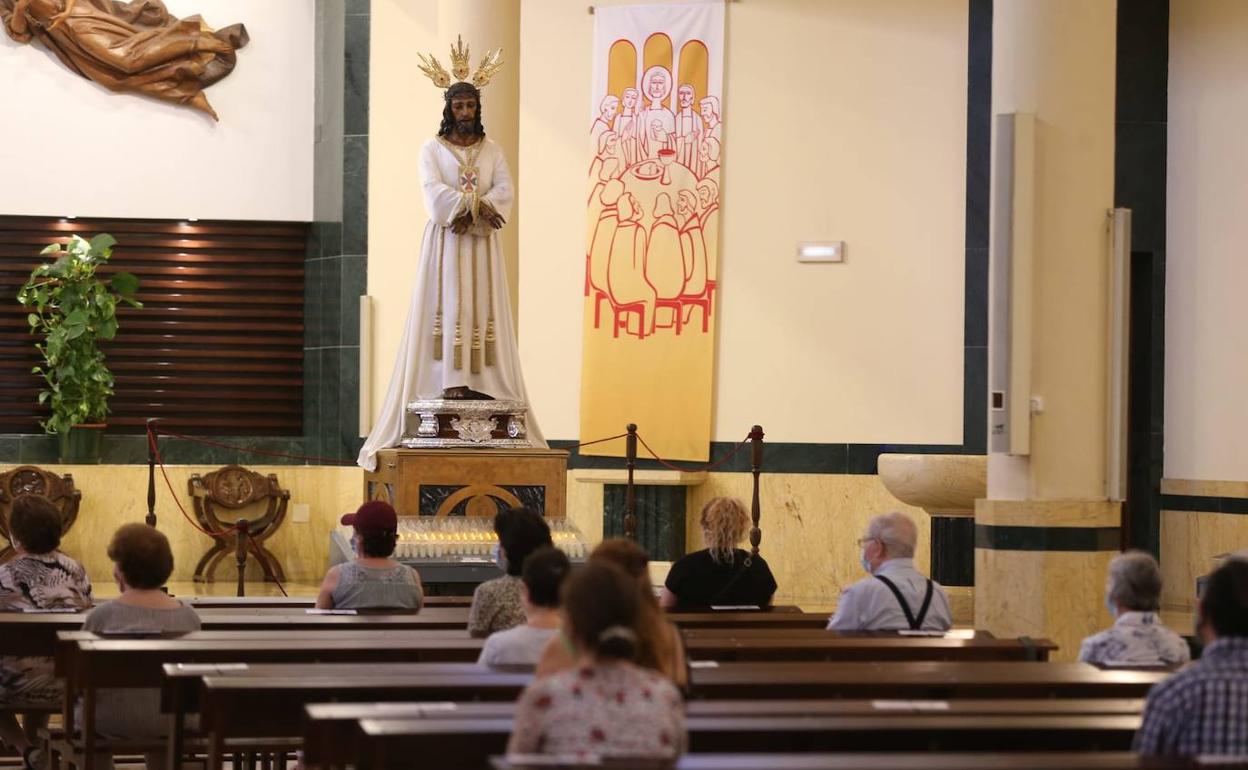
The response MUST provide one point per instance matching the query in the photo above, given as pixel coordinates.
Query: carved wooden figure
(233, 488)
(133, 46)
(33, 480)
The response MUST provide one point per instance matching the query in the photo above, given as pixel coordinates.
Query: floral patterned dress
(50, 581)
(1136, 639)
(609, 709)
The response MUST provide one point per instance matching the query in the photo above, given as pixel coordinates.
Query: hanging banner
(652, 246)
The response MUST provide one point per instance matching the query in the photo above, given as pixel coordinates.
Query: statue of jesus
(458, 342)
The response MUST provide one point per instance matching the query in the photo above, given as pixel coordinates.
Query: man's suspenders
(915, 623)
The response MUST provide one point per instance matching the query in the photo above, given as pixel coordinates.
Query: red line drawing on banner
(653, 206)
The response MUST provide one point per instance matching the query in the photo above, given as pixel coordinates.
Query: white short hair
(896, 531)
(1134, 581)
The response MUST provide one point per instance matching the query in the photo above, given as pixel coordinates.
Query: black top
(697, 580)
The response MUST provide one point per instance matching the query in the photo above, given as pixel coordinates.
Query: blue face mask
(866, 565)
(500, 558)
(1113, 608)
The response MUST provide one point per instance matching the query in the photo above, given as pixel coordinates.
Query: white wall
(847, 122)
(1207, 242)
(71, 147)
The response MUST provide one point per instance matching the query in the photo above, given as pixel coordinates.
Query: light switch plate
(300, 513)
(821, 251)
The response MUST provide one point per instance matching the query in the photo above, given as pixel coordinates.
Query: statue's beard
(465, 126)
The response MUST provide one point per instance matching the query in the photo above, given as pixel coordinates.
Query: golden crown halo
(461, 60)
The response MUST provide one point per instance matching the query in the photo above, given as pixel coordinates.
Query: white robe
(416, 373)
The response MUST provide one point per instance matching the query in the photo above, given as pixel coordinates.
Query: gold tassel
(459, 312)
(489, 344)
(437, 317)
(475, 356)
(490, 356)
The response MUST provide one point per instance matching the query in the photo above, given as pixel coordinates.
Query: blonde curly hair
(724, 523)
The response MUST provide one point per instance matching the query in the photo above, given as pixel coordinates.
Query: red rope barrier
(597, 441)
(687, 469)
(151, 440)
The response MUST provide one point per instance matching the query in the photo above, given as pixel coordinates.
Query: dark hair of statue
(1224, 604)
(448, 117)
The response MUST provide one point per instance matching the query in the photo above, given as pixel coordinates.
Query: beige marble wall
(113, 495)
(1059, 595)
(810, 524)
(1189, 542)
(585, 508)
(1191, 539)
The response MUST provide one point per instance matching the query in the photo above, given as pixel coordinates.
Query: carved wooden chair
(33, 480)
(219, 499)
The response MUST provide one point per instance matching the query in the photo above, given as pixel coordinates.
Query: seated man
(896, 597)
(1137, 638)
(1200, 710)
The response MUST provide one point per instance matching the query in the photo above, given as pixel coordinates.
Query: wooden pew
(34, 634)
(287, 602)
(89, 664)
(822, 645)
(268, 700)
(891, 761)
(749, 619)
(329, 728)
(383, 744)
(919, 680)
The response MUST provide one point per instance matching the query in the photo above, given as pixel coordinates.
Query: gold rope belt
(437, 318)
(475, 357)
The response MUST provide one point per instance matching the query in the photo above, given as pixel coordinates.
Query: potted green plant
(73, 309)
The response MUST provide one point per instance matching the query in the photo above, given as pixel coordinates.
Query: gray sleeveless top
(393, 588)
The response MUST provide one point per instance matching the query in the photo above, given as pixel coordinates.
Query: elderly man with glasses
(896, 596)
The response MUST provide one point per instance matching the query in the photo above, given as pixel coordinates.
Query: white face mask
(500, 558)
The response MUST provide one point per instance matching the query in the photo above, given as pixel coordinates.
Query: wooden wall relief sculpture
(135, 46)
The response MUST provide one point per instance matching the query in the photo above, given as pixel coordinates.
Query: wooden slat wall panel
(218, 346)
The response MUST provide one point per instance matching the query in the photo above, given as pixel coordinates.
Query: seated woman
(605, 705)
(372, 580)
(542, 577)
(721, 573)
(660, 646)
(39, 577)
(496, 604)
(1137, 638)
(142, 562)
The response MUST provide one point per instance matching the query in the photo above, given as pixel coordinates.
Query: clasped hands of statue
(462, 223)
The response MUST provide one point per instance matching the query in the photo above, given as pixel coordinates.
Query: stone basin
(942, 485)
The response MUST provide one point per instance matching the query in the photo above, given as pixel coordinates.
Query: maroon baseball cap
(375, 516)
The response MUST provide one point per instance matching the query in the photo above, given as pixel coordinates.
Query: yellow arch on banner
(621, 67)
(658, 51)
(694, 67)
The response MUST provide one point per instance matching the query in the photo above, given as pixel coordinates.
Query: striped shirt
(1202, 710)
